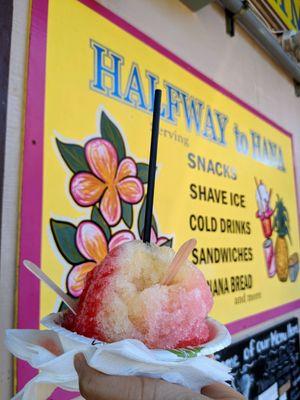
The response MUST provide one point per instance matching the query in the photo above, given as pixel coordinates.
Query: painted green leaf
(127, 214)
(74, 156)
(62, 307)
(281, 218)
(110, 132)
(143, 172)
(141, 219)
(178, 353)
(64, 235)
(97, 218)
(169, 243)
(187, 353)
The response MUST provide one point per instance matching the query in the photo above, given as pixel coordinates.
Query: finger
(84, 370)
(219, 391)
(90, 380)
(80, 363)
(94, 384)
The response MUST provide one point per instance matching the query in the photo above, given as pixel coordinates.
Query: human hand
(95, 385)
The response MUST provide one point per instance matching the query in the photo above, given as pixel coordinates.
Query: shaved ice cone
(124, 299)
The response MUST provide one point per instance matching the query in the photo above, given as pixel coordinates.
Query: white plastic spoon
(70, 303)
(179, 259)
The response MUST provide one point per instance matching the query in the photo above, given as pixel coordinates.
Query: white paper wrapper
(52, 353)
(221, 339)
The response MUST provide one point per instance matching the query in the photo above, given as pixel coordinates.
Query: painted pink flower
(108, 183)
(93, 245)
(159, 241)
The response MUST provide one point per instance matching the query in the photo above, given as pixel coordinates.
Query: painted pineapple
(281, 226)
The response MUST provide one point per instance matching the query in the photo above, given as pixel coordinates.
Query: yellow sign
(288, 11)
(225, 174)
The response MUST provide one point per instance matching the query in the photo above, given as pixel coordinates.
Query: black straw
(152, 166)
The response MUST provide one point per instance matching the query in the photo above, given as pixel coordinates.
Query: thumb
(80, 364)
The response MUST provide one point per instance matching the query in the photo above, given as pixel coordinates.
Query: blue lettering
(256, 143)
(282, 6)
(295, 18)
(135, 88)
(153, 80)
(209, 130)
(222, 123)
(281, 165)
(172, 102)
(102, 71)
(192, 111)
